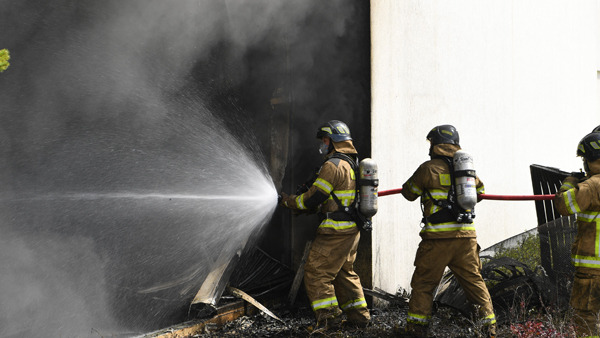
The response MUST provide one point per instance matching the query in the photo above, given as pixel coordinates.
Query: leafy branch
(4, 57)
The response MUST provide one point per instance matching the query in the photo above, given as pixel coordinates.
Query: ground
(385, 323)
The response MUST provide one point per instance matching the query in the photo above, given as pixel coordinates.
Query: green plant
(4, 57)
(527, 251)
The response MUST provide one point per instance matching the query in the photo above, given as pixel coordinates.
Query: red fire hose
(389, 192)
(486, 196)
(517, 197)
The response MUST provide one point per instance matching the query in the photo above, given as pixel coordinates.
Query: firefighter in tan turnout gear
(581, 196)
(445, 241)
(329, 277)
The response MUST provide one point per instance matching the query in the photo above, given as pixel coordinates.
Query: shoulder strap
(354, 167)
(346, 158)
(448, 161)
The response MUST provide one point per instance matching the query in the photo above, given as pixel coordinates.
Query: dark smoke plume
(148, 97)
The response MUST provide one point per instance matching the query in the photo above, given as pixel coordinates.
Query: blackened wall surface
(323, 65)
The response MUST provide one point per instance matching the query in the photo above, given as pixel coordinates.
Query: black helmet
(596, 130)
(338, 131)
(443, 134)
(589, 147)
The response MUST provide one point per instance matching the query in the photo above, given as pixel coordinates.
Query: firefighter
(445, 242)
(582, 197)
(329, 277)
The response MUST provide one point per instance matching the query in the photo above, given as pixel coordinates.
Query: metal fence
(556, 233)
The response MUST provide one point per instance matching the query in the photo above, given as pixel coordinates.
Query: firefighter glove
(282, 198)
(569, 183)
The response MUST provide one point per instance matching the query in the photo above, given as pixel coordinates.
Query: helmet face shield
(324, 131)
(338, 131)
(324, 148)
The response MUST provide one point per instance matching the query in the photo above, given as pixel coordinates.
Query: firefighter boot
(400, 330)
(416, 330)
(358, 318)
(489, 331)
(327, 319)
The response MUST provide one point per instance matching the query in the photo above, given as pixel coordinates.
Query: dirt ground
(386, 322)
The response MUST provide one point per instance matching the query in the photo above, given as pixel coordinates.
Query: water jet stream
(136, 196)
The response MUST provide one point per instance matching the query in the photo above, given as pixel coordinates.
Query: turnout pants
(585, 300)
(461, 255)
(330, 280)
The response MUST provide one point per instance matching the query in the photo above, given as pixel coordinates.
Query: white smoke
(101, 97)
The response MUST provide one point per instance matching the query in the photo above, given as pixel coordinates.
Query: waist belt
(443, 216)
(338, 216)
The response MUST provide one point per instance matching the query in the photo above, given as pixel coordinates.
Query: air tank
(464, 175)
(368, 183)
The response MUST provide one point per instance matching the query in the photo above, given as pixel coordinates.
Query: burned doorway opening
(288, 84)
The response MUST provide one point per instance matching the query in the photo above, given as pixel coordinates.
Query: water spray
(267, 197)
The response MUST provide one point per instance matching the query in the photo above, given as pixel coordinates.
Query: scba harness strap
(449, 211)
(350, 211)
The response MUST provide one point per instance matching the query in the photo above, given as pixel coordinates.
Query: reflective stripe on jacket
(583, 199)
(432, 182)
(335, 176)
(338, 176)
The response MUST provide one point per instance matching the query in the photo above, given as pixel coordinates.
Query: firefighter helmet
(589, 147)
(443, 134)
(596, 130)
(338, 131)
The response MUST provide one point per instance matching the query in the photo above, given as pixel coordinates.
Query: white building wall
(598, 53)
(519, 81)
